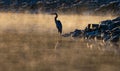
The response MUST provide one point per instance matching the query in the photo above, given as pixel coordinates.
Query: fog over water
(24, 45)
(45, 22)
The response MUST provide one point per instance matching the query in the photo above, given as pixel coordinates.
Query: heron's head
(54, 14)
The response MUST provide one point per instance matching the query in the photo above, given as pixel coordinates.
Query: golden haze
(24, 23)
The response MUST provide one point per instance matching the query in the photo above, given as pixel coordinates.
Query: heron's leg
(59, 34)
(58, 42)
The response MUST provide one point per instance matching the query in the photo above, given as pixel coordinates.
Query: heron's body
(58, 24)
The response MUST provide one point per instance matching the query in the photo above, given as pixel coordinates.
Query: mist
(26, 23)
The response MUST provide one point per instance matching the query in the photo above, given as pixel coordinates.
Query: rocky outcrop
(108, 30)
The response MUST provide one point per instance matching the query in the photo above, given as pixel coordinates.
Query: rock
(114, 25)
(67, 34)
(115, 38)
(116, 19)
(110, 8)
(108, 30)
(95, 26)
(106, 35)
(107, 22)
(76, 33)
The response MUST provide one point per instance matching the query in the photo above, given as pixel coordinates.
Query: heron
(58, 23)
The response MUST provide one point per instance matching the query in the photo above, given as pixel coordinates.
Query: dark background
(64, 6)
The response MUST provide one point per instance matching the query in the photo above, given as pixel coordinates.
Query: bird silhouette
(58, 23)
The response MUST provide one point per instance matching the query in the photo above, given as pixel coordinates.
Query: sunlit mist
(45, 22)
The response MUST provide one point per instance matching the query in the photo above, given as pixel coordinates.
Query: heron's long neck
(56, 17)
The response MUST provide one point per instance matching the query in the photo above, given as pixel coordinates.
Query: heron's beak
(52, 13)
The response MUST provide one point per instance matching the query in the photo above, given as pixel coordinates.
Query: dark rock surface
(110, 8)
(69, 6)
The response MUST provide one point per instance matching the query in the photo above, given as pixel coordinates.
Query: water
(31, 43)
(36, 52)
